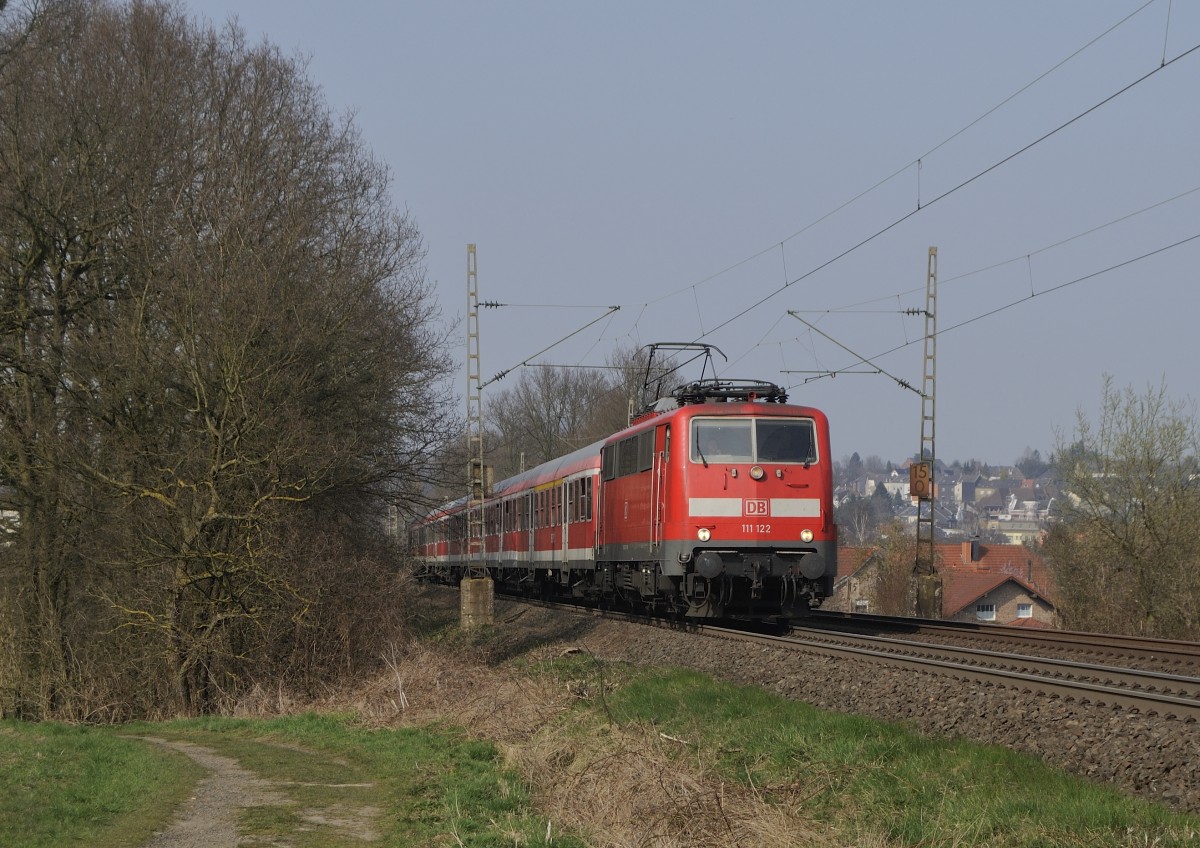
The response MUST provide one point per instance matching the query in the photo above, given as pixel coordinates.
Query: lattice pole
(924, 474)
(476, 589)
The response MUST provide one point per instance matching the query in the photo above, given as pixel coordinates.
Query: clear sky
(694, 163)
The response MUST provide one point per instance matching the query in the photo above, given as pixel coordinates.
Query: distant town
(988, 521)
(1003, 504)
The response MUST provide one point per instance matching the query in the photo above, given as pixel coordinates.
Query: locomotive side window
(627, 457)
(609, 460)
(645, 449)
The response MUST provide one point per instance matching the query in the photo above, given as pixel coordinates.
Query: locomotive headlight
(757, 472)
(806, 536)
(704, 534)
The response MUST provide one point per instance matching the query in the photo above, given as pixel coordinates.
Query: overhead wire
(915, 162)
(921, 206)
(1010, 305)
(950, 191)
(855, 307)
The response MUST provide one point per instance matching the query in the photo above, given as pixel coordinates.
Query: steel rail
(1180, 706)
(1130, 678)
(1172, 651)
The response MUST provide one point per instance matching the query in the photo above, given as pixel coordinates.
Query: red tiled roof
(960, 589)
(1016, 561)
(851, 559)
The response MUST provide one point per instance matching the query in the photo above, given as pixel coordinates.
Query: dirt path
(210, 818)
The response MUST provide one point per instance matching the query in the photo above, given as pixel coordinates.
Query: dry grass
(631, 786)
(427, 684)
(620, 785)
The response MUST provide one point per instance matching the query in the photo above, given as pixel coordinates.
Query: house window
(862, 605)
(985, 612)
(1024, 610)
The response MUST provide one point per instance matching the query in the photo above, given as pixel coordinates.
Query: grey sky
(679, 159)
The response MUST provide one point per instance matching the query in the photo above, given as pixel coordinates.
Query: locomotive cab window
(723, 439)
(785, 440)
(776, 440)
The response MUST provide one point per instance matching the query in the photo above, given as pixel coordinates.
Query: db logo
(757, 507)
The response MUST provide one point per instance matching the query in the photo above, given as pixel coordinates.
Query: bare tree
(547, 413)
(1126, 552)
(551, 411)
(895, 587)
(217, 355)
(1031, 463)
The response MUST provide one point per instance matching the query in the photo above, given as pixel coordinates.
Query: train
(717, 502)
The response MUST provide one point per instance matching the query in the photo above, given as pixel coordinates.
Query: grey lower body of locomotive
(746, 579)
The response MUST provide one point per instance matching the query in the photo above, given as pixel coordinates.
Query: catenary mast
(922, 480)
(477, 589)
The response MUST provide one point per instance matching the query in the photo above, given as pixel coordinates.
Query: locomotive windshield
(786, 440)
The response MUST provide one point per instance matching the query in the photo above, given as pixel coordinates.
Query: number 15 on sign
(920, 480)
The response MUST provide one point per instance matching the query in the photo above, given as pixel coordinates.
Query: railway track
(1153, 692)
(1102, 648)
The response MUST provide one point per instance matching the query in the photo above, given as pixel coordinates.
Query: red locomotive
(718, 503)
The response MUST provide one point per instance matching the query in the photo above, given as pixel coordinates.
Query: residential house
(1006, 584)
(854, 588)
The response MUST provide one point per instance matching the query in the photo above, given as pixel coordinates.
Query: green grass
(63, 785)
(913, 790)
